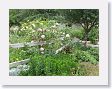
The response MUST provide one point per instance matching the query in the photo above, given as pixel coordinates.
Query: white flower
(43, 36)
(63, 33)
(67, 35)
(57, 24)
(61, 44)
(62, 38)
(48, 30)
(54, 26)
(33, 25)
(15, 28)
(33, 31)
(41, 49)
(42, 52)
(26, 27)
(32, 41)
(40, 30)
(50, 43)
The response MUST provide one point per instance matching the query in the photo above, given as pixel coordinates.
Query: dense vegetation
(58, 28)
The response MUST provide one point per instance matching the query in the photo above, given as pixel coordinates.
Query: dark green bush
(16, 16)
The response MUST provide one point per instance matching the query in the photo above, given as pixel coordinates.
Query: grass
(90, 69)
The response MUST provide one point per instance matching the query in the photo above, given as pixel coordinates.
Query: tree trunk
(85, 39)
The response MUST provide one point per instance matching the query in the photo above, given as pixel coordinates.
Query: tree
(22, 15)
(87, 18)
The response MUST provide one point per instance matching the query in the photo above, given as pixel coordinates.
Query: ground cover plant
(66, 41)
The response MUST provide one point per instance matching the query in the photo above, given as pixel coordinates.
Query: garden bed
(54, 45)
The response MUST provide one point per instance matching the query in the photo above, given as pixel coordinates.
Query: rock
(15, 71)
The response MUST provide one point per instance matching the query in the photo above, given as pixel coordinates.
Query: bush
(94, 52)
(93, 36)
(56, 65)
(17, 15)
(79, 33)
(85, 56)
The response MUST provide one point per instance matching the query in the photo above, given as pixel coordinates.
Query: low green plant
(17, 55)
(85, 56)
(52, 65)
(94, 52)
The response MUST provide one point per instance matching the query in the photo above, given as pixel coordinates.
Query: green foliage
(77, 33)
(17, 54)
(94, 52)
(21, 53)
(67, 61)
(93, 36)
(85, 56)
(87, 18)
(56, 65)
(22, 15)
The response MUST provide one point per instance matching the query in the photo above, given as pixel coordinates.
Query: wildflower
(43, 36)
(67, 35)
(42, 52)
(33, 31)
(54, 26)
(15, 28)
(32, 41)
(48, 30)
(41, 49)
(63, 33)
(50, 43)
(26, 27)
(39, 29)
(33, 25)
(62, 38)
(61, 44)
(57, 24)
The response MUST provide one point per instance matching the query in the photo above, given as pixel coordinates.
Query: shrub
(56, 65)
(93, 36)
(94, 52)
(85, 56)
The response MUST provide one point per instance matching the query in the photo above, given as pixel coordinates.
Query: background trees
(87, 18)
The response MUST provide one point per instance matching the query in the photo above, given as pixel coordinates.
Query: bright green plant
(55, 65)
